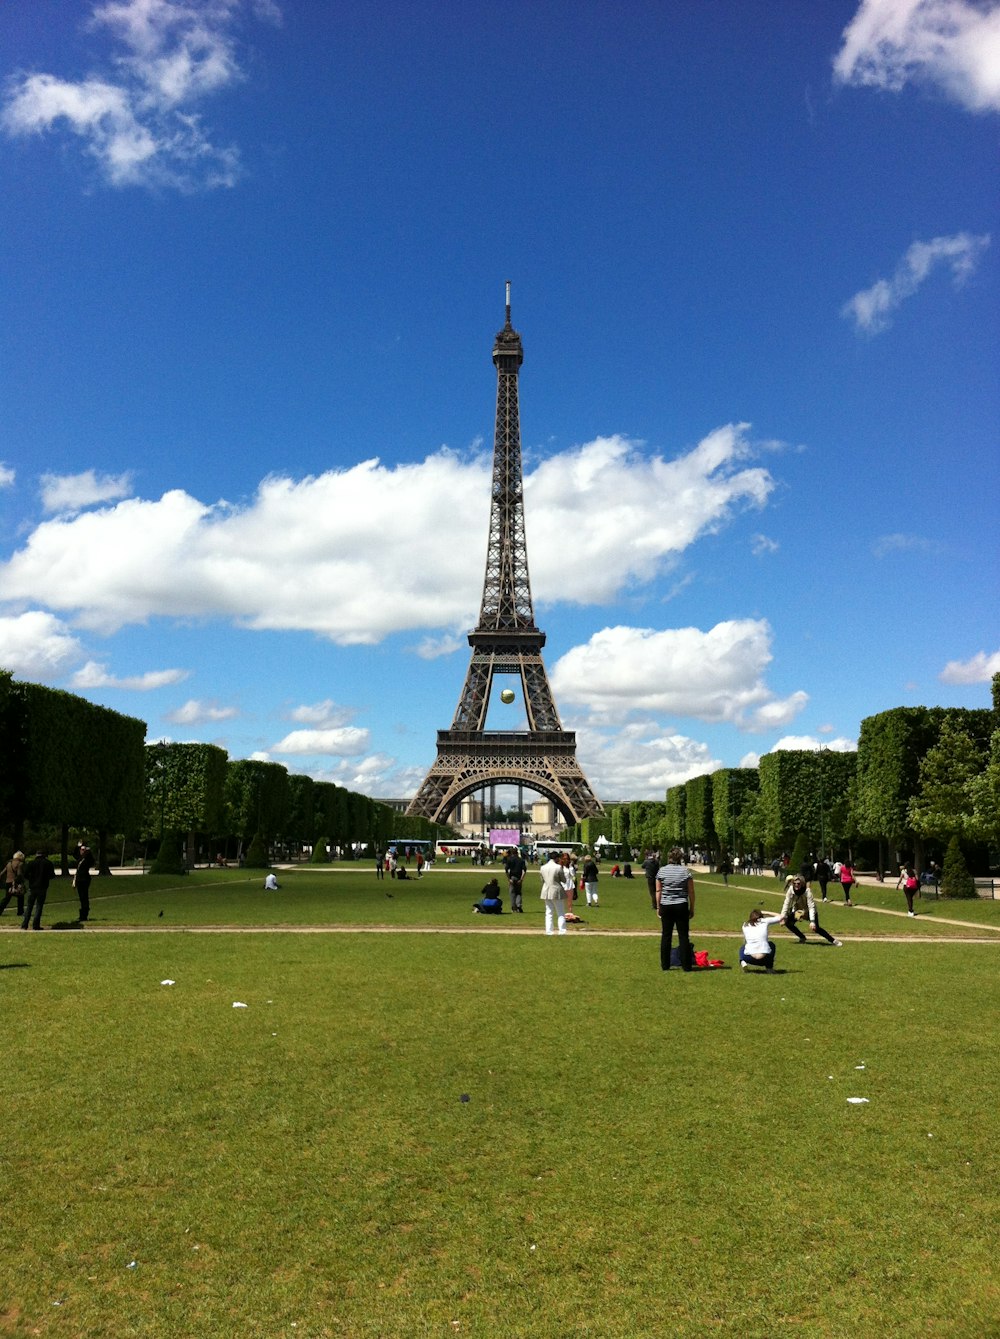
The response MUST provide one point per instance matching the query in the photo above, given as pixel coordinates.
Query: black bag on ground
(675, 956)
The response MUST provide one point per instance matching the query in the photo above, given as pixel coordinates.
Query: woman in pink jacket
(847, 881)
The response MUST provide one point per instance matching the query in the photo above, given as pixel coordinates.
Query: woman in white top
(757, 950)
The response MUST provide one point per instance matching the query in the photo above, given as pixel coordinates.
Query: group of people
(823, 871)
(674, 901)
(390, 863)
(28, 882)
(559, 877)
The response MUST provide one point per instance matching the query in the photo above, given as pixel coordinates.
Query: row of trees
(920, 775)
(198, 791)
(69, 764)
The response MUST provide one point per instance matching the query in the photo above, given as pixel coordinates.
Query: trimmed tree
(256, 857)
(956, 881)
(944, 804)
(170, 857)
(698, 813)
(731, 787)
(800, 853)
(184, 791)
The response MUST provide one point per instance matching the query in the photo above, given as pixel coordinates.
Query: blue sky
(252, 263)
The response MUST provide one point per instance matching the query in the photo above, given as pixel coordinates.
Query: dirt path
(521, 931)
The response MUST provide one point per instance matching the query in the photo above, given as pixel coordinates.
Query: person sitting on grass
(490, 902)
(757, 949)
(271, 884)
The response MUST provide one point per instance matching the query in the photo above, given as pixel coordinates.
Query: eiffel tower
(506, 641)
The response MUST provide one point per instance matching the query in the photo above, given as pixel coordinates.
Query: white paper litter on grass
(168, 982)
(238, 1004)
(856, 1100)
(859, 1066)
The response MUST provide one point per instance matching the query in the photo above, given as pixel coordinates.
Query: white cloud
(639, 761)
(261, 564)
(749, 760)
(93, 675)
(36, 646)
(954, 44)
(326, 713)
(376, 774)
(715, 675)
(194, 712)
(807, 743)
(344, 741)
(883, 545)
(432, 648)
(872, 307)
(139, 120)
(70, 493)
(7, 476)
(760, 544)
(979, 669)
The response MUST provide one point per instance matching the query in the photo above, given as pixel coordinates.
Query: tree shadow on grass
(6, 966)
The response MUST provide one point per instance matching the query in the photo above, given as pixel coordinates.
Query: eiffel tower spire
(506, 641)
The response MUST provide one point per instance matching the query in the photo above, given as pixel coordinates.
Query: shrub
(800, 853)
(319, 855)
(956, 881)
(256, 857)
(170, 857)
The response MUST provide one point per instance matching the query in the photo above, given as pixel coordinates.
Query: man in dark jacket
(515, 869)
(650, 867)
(38, 874)
(81, 879)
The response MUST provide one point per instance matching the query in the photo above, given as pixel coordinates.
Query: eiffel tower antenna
(506, 641)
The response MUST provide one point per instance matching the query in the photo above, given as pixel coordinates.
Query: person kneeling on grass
(271, 884)
(757, 949)
(490, 902)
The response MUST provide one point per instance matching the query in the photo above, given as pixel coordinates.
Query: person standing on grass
(81, 879)
(379, 866)
(590, 876)
(675, 908)
(650, 867)
(13, 879)
(847, 882)
(553, 893)
(38, 874)
(910, 884)
(757, 949)
(822, 876)
(515, 869)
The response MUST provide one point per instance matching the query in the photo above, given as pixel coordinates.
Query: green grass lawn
(345, 895)
(638, 1154)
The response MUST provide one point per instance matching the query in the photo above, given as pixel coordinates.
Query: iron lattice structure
(507, 642)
